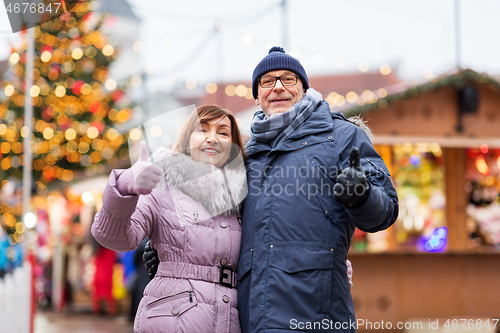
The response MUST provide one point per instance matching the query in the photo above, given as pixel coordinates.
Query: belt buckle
(226, 276)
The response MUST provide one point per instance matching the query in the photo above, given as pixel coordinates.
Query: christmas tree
(76, 105)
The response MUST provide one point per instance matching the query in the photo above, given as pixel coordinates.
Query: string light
(363, 66)
(385, 69)
(211, 88)
(191, 83)
(427, 74)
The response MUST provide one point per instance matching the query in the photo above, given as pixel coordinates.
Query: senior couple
(275, 260)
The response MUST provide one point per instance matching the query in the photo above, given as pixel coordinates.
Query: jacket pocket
(299, 284)
(171, 305)
(244, 264)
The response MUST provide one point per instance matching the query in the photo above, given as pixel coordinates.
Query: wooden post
(456, 197)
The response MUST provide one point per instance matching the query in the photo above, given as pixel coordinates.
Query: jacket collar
(218, 190)
(320, 121)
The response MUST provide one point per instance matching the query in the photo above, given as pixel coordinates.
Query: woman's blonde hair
(202, 115)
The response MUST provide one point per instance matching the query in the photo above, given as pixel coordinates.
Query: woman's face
(211, 142)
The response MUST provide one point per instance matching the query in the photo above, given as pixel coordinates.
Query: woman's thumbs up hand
(140, 178)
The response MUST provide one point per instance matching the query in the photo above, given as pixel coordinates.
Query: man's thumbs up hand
(352, 188)
(140, 178)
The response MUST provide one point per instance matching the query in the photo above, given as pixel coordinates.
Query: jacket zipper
(170, 298)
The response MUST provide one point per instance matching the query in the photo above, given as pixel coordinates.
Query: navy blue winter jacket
(295, 236)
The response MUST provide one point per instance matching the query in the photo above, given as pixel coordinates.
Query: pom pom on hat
(277, 59)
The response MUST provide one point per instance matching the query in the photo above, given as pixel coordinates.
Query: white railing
(15, 300)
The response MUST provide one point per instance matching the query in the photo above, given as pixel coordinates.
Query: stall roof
(455, 77)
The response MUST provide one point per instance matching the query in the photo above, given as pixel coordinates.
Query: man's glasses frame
(276, 78)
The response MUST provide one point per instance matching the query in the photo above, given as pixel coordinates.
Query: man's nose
(278, 85)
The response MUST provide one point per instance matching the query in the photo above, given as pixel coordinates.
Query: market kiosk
(441, 259)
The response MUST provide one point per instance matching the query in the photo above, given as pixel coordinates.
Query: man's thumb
(354, 160)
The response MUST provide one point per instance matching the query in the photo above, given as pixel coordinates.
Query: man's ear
(257, 101)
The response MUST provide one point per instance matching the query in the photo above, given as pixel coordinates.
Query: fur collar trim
(203, 182)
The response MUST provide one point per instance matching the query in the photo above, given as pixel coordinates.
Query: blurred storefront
(66, 251)
(441, 142)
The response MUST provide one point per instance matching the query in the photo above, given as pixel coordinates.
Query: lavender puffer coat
(192, 222)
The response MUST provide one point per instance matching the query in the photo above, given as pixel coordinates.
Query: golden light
(60, 91)
(83, 147)
(6, 163)
(24, 131)
(67, 175)
(351, 97)
(86, 89)
(19, 227)
(110, 84)
(95, 157)
(14, 58)
(170, 78)
(481, 165)
(9, 90)
(87, 197)
(339, 100)
(241, 90)
(135, 134)
(108, 50)
(211, 88)
(112, 134)
(3, 129)
(135, 81)
(156, 131)
(46, 56)
(138, 45)
(498, 162)
(385, 69)
(5, 147)
(92, 132)
(48, 133)
(249, 94)
(435, 148)
(363, 66)
(427, 74)
(44, 89)
(230, 90)
(70, 134)
(382, 93)
(191, 83)
(77, 53)
(34, 91)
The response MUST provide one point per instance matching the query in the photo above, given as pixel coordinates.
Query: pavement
(76, 322)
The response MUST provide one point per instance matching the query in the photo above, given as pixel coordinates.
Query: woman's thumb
(143, 154)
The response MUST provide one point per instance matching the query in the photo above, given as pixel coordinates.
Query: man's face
(280, 98)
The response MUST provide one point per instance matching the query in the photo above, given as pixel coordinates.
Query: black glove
(151, 260)
(352, 189)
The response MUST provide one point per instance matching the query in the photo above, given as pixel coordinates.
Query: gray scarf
(281, 125)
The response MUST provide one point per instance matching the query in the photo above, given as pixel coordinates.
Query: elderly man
(313, 177)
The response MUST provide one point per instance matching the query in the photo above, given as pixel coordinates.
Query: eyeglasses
(270, 81)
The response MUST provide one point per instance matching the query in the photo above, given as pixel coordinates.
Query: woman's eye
(224, 133)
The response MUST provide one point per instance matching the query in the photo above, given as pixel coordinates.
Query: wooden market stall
(439, 137)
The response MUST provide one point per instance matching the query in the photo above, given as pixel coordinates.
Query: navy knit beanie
(277, 59)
